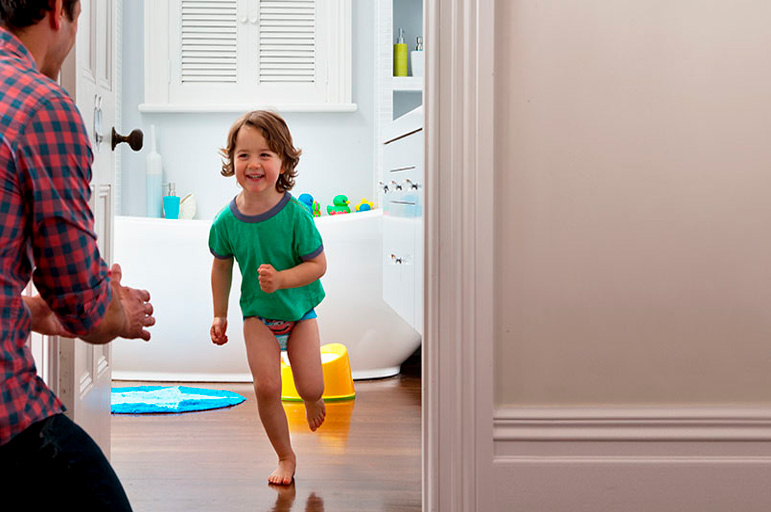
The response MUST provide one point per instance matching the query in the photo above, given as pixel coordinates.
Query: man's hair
(279, 139)
(23, 13)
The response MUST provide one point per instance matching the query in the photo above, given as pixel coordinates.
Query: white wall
(338, 153)
(632, 248)
(634, 207)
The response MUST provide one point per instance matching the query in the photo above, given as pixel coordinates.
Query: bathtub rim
(340, 218)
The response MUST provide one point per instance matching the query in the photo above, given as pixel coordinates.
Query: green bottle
(400, 55)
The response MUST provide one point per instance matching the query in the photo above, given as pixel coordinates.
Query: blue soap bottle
(171, 203)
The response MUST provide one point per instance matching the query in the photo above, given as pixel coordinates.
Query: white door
(84, 370)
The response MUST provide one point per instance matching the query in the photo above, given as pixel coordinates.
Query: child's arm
(221, 278)
(304, 273)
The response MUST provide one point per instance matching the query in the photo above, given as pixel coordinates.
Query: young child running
(279, 251)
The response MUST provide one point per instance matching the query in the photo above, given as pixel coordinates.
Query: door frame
(458, 390)
(458, 351)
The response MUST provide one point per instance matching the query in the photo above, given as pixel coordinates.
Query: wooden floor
(366, 456)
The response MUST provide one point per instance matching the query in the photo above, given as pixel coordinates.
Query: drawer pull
(412, 184)
(401, 169)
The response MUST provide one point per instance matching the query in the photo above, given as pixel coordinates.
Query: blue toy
(363, 206)
(339, 205)
(312, 206)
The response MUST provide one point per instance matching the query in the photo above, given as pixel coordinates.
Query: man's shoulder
(29, 92)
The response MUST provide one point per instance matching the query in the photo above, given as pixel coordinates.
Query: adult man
(47, 236)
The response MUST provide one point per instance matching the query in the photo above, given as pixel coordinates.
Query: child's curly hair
(279, 139)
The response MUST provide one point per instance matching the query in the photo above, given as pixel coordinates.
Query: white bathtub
(171, 259)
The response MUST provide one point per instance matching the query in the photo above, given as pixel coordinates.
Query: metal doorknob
(134, 139)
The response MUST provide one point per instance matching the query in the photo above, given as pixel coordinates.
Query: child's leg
(264, 357)
(305, 357)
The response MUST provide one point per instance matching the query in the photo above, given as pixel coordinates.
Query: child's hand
(270, 278)
(218, 331)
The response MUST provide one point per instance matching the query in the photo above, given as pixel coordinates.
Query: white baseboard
(632, 459)
(656, 484)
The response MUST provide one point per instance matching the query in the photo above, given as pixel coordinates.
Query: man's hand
(137, 310)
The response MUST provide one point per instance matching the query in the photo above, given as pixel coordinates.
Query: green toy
(339, 205)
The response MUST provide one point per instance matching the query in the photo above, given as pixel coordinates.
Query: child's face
(257, 166)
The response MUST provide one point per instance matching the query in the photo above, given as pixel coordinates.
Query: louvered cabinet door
(247, 50)
(207, 46)
(230, 55)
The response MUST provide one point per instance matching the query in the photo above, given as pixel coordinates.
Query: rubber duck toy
(312, 206)
(363, 206)
(339, 205)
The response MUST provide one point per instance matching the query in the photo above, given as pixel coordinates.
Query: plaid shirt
(46, 228)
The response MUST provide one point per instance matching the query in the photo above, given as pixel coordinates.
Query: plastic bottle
(416, 58)
(153, 179)
(400, 55)
(171, 203)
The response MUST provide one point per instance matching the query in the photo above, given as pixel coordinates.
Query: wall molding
(632, 484)
(663, 423)
(635, 459)
(459, 281)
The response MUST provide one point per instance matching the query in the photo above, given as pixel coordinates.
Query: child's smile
(255, 176)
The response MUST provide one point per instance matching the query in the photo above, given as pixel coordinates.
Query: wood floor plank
(366, 456)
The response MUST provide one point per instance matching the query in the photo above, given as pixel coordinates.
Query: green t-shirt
(284, 237)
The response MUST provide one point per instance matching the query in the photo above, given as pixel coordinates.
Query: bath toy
(336, 368)
(339, 205)
(363, 206)
(313, 206)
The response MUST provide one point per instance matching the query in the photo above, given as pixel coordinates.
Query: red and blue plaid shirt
(46, 228)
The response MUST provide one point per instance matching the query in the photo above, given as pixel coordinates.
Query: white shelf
(408, 83)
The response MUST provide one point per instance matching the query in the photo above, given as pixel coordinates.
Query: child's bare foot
(284, 473)
(315, 412)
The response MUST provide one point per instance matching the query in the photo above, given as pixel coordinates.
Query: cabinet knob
(384, 187)
(396, 259)
(412, 184)
(397, 186)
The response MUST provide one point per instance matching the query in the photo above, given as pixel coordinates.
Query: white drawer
(403, 176)
(404, 162)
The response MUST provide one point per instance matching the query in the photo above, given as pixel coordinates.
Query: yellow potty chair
(336, 367)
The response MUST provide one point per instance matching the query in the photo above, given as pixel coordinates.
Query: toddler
(281, 257)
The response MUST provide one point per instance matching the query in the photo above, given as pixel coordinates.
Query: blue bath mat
(170, 399)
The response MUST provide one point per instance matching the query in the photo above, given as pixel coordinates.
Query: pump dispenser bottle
(400, 55)
(171, 203)
(416, 58)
